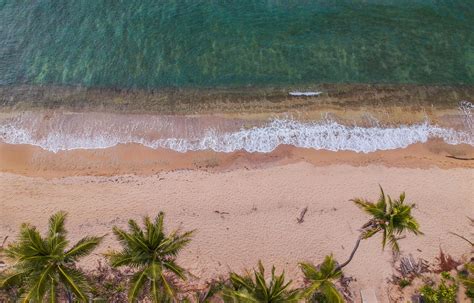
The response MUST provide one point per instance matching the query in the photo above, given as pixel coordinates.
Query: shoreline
(137, 159)
(244, 205)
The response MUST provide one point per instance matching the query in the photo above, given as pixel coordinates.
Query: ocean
(144, 55)
(196, 43)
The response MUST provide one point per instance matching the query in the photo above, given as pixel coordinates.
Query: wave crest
(328, 135)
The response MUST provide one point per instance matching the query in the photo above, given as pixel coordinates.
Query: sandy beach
(244, 206)
(254, 123)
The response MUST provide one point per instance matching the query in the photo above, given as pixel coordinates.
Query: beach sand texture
(245, 215)
(115, 111)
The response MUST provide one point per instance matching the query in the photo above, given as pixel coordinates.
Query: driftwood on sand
(300, 218)
(460, 158)
(410, 267)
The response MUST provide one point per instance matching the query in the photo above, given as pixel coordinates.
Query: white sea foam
(328, 135)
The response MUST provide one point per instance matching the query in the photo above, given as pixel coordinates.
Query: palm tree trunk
(352, 253)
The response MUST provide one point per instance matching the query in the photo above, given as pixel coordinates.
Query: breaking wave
(156, 133)
(329, 136)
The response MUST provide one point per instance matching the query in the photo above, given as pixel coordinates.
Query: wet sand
(137, 159)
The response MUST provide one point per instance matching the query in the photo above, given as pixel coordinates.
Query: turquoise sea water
(152, 44)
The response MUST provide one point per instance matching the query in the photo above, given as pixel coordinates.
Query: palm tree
(44, 267)
(321, 281)
(153, 254)
(391, 218)
(244, 289)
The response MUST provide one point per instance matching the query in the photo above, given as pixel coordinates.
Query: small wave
(327, 135)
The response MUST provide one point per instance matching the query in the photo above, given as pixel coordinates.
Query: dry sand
(245, 212)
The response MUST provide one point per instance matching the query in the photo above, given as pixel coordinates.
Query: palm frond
(321, 279)
(152, 253)
(369, 232)
(173, 245)
(369, 207)
(13, 278)
(56, 224)
(329, 268)
(38, 284)
(392, 240)
(53, 293)
(175, 268)
(83, 247)
(126, 258)
(258, 289)
(137, 283)
(131, 241)
(150, 229)
(155, 279)
(43, 265)
(159, 226)
(74, 280)
(331, 294)
(30, 242)
(135, 228)
(214, 287)
(56, 236)
(391, 217)
(161, 287)
(167, 285)
(260, 283)
(241, 282)
(310, 271)
(239, 296)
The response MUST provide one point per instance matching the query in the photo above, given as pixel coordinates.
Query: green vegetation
(321, 281)
(152, 253)
(466, 277)
(44, 267)
(150, 44)
(404, 283)
(391, 218)
(446, 292)
(244, 289)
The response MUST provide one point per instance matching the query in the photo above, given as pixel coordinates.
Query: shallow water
(210, 44)
(151, 44)
(66, 131)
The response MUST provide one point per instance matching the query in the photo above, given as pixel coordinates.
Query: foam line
(327, 135)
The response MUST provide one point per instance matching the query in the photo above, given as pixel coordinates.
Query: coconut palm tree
(152, 253)
(44, 266)
(321, 279)
(389, 217)
(244, 289)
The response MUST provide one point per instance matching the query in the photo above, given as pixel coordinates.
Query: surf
(62, 132)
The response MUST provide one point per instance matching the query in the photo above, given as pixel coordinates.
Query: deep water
(152, 44)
